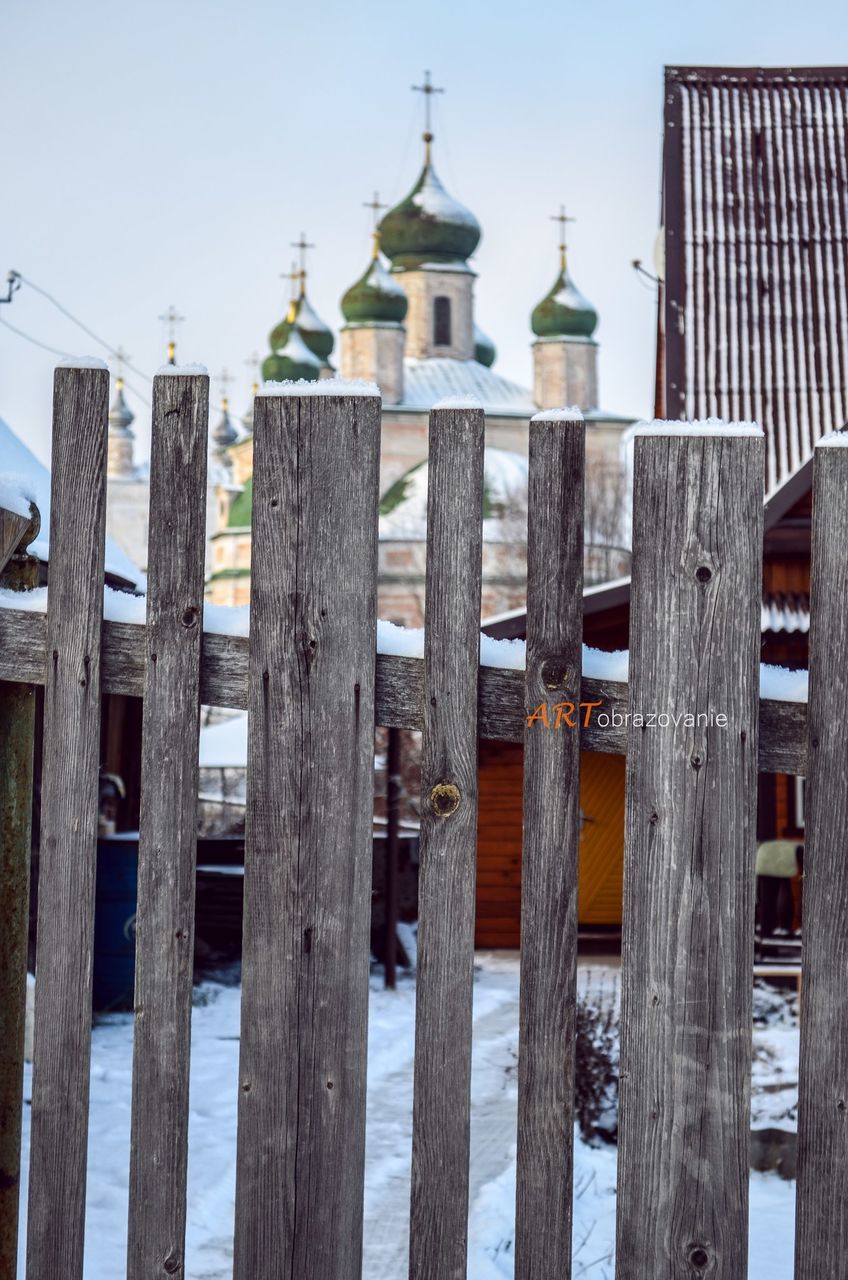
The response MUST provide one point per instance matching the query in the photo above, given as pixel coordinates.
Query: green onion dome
(317, 335)
(564, 312)
(294, 362)
(224, 433)
(278, 337)
(484, 348)
(375, 298)
(429, 225)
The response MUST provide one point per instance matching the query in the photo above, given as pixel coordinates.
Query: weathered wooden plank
(168, 828)
(550, 846)
(400, 690)
(689, 859)
(301, 1136)
(17, 741)
(68, 850)
(442, 1081)
(821, 1233)
(13, 526)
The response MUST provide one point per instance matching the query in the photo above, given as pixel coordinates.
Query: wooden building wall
(499, 843)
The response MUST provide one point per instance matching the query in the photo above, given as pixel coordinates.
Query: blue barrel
(114, 922)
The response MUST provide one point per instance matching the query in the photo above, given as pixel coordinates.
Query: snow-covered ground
(212, 1133)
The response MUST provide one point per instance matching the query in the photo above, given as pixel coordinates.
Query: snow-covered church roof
(438, 377)
(403, 508)
(18, 464)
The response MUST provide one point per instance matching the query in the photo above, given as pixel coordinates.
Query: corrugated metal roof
(756, 218)
(427, 381)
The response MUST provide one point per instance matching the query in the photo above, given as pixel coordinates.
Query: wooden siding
(499, 843)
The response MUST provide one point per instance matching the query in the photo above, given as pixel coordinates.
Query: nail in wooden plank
(821, 1231)
(308, 842)
(550, 847)
(690, 832)
(68, 850)
(441, 1105)
(168, 827)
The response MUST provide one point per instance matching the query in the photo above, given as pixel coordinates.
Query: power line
(90, 332)
(35, 341)
(63, 355)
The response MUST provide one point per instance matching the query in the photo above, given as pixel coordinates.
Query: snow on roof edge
(699, 427)
(323, 387)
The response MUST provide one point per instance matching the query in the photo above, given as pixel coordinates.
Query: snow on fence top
(182, 371)
(16, 494)
(777, 683)
(834, 439)
(459, 402)
(700, 427)
(568, 413)
(323, 387)
(82, 362)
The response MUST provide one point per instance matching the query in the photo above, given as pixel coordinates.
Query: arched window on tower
(441, 322)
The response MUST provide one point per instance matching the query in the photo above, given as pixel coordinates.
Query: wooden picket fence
(314, 692)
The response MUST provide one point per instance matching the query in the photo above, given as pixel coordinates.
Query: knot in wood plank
(444, 799)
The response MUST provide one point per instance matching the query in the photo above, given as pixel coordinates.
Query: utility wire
(35, 341)
(64, 355)
(90, 332)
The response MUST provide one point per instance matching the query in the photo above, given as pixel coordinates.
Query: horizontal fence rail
(399, 700)
(315, 690)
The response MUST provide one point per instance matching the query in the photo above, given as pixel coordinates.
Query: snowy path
(214, 1075)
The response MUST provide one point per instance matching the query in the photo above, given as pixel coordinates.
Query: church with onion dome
(409, 324)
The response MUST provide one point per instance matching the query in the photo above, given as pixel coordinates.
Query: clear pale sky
(158, 153)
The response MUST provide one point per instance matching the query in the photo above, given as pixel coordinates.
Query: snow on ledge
(323, 387)
(834, 440)
(567, 413)
(778, 684)
(16, 494)
(701, 427)
(459, 402)
(182, 371)
(82, 362)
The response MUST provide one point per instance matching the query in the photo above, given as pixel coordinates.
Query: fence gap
(168, 827)
(821, 1230)
(442, 1088)
(689, 858)
(68, 847)
(308, 841)
(550, 847)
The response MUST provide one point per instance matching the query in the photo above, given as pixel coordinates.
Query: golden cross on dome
(428, 89)
(302, 245)
(375, 206)
(562, 218)
(254, 363)
(171, 318)
(121, 358)
(224, 379)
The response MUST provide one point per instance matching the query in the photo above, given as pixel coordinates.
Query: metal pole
(17, 735)
(392, 815)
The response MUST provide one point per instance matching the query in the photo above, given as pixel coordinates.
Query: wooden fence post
(308, 840)
(446, 905)
(168, 830)
(17, 737)
(550, 846)
(689, 856)
(821, 1232)
(68, 849)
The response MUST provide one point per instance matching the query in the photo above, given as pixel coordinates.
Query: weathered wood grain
(301, 1135)
(69, 793)
(821, 1233)
(400, 690)
(689, 861)
(549, 856)
(168, 828)
(12, 529)
(446, 898)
